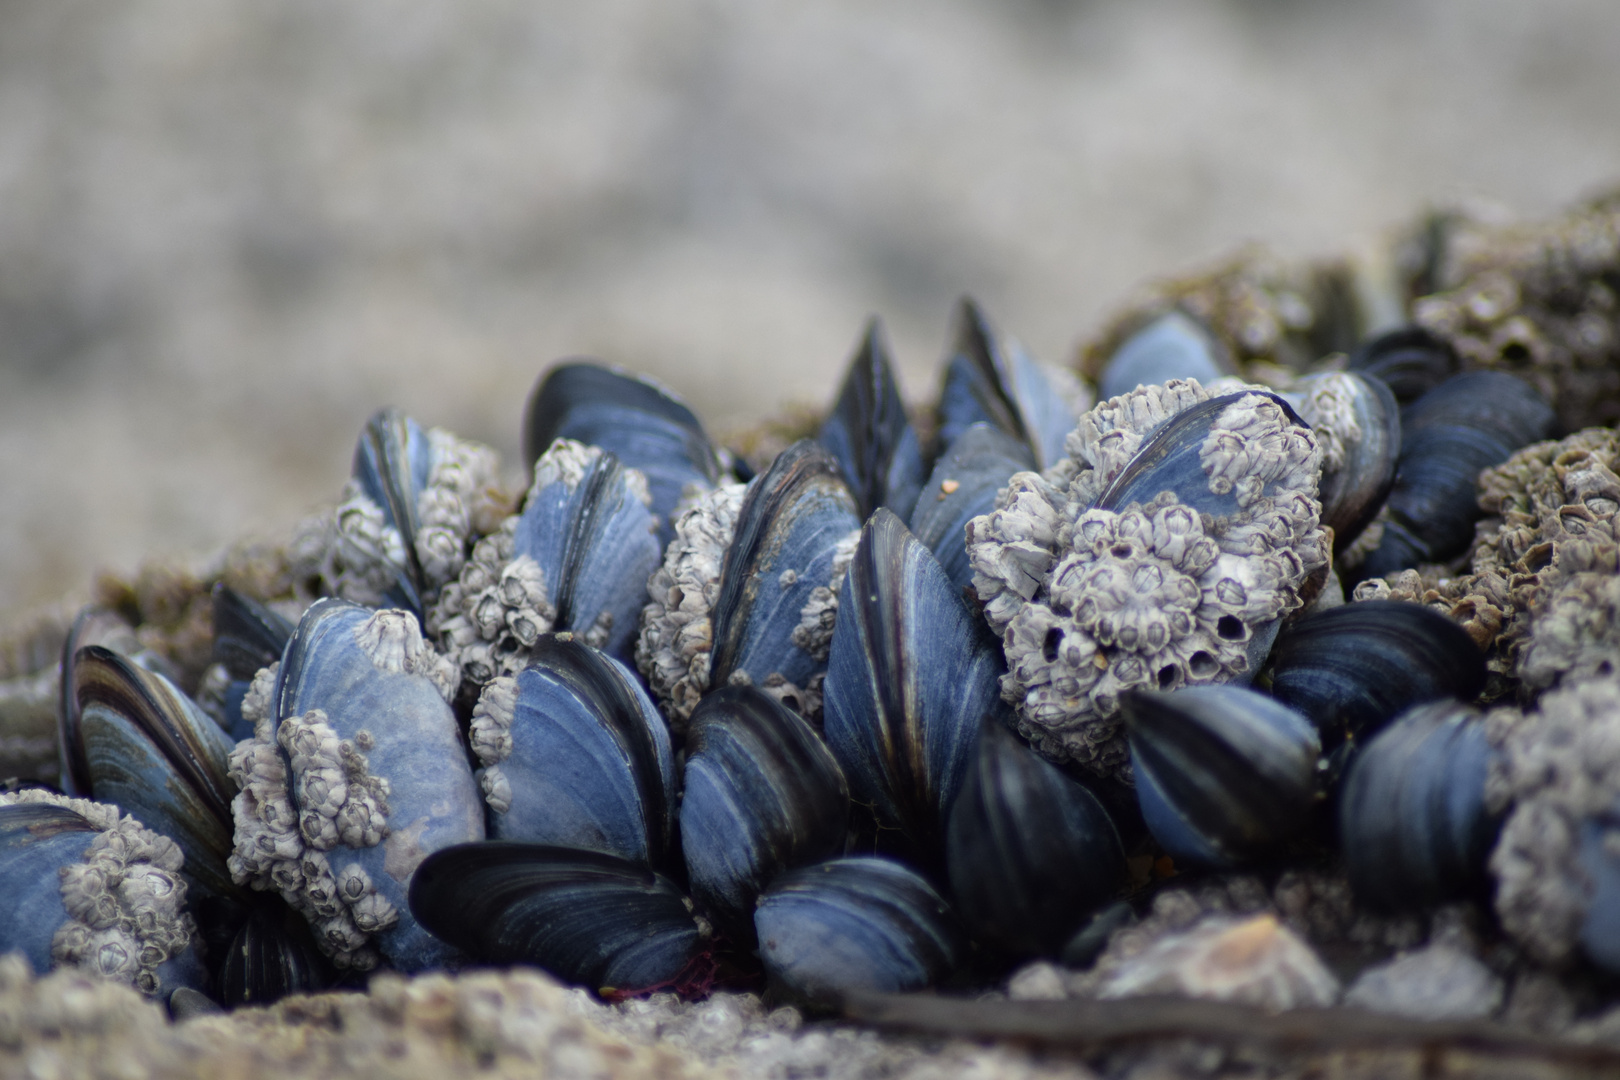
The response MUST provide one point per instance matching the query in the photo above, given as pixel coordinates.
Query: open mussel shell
(912, 672)
(1030, 850)
(638, 421)
(854, 924)
(1466, 424)
(788, 531)
(58, 869)
(247, 636)
(763, 794)
(1353, 668)
(356, 686)
(150, 750)
(92, 626)
(1365, 425)
(992, 380)
(586, 917)
(577, 755)
(868, 433)
(1172, 346)
(1409, 360)
(1224, 774)
(595, 542)
(269, 957)
(1413, 826)
(963, 486)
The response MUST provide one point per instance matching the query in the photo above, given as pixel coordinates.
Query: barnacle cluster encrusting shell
(1558, 769)
(1092, 602)
(125, 899)
(1539, 301)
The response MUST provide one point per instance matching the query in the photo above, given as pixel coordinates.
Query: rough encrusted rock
(125, 898)
(1254, 961)
(360, 555)
(1090, 603)
(1539, 301)
(1557, 770)
(1437, 982)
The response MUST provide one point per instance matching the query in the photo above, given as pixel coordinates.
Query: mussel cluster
(926, 694)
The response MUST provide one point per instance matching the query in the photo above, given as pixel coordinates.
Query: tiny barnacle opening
(1049, 647)
(1202, 664)
(1229, 627)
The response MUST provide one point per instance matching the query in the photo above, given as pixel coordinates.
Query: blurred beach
(229, 231)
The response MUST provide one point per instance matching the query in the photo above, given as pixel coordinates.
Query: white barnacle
(393, 640)
(491, 728)
(1092, 602)
(1254, 961)
(125, 900)
(819, 615)
(676, 634)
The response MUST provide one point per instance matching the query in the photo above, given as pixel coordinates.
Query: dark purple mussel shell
(1354, 489)
(248, 636)
(1353, 668)
(1409, 360)
(1031, 852)
(1413, 825)
(1173, 345)
(963, 486)
(393, 461)
(585, 917)
(856, 924)
(1224, 774)
(868, 433)
(271, 955)
(763, 794)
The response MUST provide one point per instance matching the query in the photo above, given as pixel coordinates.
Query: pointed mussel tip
(1161, 553)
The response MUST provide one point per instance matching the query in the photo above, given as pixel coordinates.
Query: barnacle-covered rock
(86, 887)
(1539, 301)
(1110, 572)
(1575, 619)
(1557, 874)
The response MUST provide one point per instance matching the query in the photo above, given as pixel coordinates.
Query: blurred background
(230, 229)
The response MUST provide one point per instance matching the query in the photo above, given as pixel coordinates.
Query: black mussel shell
(1172, 346)
(763, 794)
(963, 486)
(989, 380)
(155, 754)
(1410, 360)
(1353, 668)
(392, 461)
(1413, 825)
(587, 918)
(247, 634)
(641, 423)
(791, 520)
(854, 924)
(1466, 424)
(912, 672)
(1224, 774)
(867, 431)
(1030, 850)
(271, 955)
(1353, 493)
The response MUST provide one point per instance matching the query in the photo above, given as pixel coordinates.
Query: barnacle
(125, 898)
(1559, 770)
(1540, 301)
(1091, 602)
(1257, 961)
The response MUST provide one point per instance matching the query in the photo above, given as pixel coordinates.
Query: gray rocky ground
(230, 230)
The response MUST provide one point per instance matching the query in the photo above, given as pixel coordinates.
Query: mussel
(1172, 346)
(1413, 825)
(762, 795)
(247, 636)
(586, 917)
(964, 485)
(356, 772)
(903, 733)
(642, 424)
(575, 755)
(1225, 775)
(1353, 668)
(1031, 852)
(868, 433)
(1410, 360)
(1358, 425)
(854, 924)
